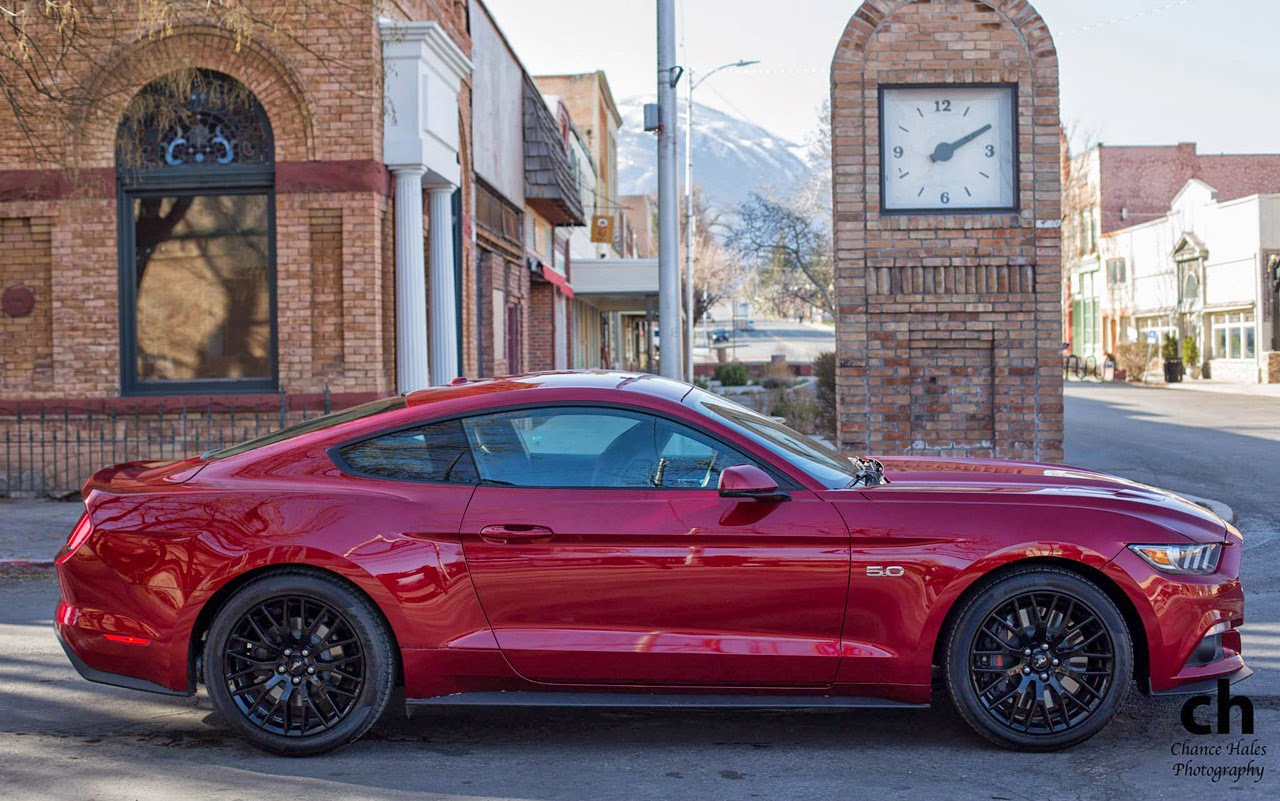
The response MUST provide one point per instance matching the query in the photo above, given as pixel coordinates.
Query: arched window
(195, 167)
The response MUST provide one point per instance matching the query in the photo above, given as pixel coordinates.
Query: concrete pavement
(1222, 444)
(32, 531)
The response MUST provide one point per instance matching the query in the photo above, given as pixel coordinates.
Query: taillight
(78, 535)
(126, 639)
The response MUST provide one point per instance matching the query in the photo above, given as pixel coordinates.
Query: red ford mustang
(621, 539)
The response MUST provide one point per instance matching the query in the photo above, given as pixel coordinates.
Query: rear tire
(1041, 660)
(299, 663)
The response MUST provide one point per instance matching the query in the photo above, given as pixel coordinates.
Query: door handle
(516, 533)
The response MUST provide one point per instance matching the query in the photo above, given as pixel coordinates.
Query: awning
(553, 276)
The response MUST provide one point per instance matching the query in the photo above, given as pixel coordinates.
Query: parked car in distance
(618, 539)
(720, 335)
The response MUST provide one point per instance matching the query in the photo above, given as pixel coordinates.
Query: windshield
(818, 460)
(308, 426)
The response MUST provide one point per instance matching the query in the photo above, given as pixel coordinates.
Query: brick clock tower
(946, 178)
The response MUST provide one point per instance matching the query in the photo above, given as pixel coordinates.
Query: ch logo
(1225, 702)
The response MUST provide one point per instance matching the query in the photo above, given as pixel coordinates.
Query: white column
(444, 300)
(411, 288)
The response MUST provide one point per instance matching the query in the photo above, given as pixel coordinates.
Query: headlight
(1186, 559)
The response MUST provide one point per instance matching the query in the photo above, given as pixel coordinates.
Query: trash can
(1172, 371)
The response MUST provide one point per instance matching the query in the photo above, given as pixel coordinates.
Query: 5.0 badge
(877, 571)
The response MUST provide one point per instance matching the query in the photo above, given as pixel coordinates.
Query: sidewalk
(1224, 387)
(32, 531)
(1201, 385)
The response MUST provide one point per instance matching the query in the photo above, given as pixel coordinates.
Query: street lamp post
(689, 304)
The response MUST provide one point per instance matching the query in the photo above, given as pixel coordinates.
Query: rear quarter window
(436, 453)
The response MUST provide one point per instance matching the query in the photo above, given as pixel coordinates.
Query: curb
(25, 567)
(1217, 507)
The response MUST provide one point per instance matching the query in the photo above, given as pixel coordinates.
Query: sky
(1132, 71)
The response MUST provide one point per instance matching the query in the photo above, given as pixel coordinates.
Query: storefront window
(197, 272)
(1234, 336)
(202, 308)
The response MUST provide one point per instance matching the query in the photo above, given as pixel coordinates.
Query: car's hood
(1047, 482)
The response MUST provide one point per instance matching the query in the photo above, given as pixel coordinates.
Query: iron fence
(54, 453)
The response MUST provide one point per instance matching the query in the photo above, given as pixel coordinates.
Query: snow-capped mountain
(731, 157)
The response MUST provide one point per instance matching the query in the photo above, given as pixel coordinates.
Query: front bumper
(1177, 613)
(1203, 686)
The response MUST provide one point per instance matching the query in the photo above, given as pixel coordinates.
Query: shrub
(795, 406)
(778, 377)
(824, 370)
(1190, 352)
(1132, 358)
(1169, 348)
(731, 375)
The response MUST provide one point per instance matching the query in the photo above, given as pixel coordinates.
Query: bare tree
(788, 241)
(718, 271)
(791, 251)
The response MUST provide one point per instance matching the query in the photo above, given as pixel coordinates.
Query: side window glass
(594, 448)
(562, 447)
(689, 460)
(437, 453)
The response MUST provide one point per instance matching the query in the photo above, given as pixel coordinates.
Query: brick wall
(335, 253)
(541, 331)
(27, 354)
(948, 325)
(510, 280)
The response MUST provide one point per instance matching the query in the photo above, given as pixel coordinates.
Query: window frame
(785, 482)
(197, 182)
(237, 178)
(1233, 324)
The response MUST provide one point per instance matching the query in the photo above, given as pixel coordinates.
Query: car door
(602, 553)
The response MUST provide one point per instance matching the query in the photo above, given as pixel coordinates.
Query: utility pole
(689, 305)
(669, 327)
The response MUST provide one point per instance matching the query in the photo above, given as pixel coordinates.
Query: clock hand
(945, 150)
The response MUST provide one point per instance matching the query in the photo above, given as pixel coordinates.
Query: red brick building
(255, 222)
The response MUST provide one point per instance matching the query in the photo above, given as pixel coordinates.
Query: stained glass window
(194, 118)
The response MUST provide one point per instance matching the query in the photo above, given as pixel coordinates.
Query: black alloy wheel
(294, 666)
(300, 663)
(1040, 660)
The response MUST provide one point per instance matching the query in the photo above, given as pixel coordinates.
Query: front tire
(299, 663)
(1040, 660)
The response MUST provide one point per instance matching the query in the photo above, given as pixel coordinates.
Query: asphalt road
(61, 737)
(799, 342)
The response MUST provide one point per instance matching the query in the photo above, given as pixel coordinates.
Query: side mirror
(749, 481)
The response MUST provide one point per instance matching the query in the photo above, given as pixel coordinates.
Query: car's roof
(591, 380)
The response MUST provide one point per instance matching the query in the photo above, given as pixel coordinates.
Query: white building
(1206, 269)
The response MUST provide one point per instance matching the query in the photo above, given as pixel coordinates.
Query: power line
(1146, 12)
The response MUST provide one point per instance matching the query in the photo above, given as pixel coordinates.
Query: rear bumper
(120, 633)
(112, 679)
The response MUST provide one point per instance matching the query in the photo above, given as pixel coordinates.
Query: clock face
(948, 148)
